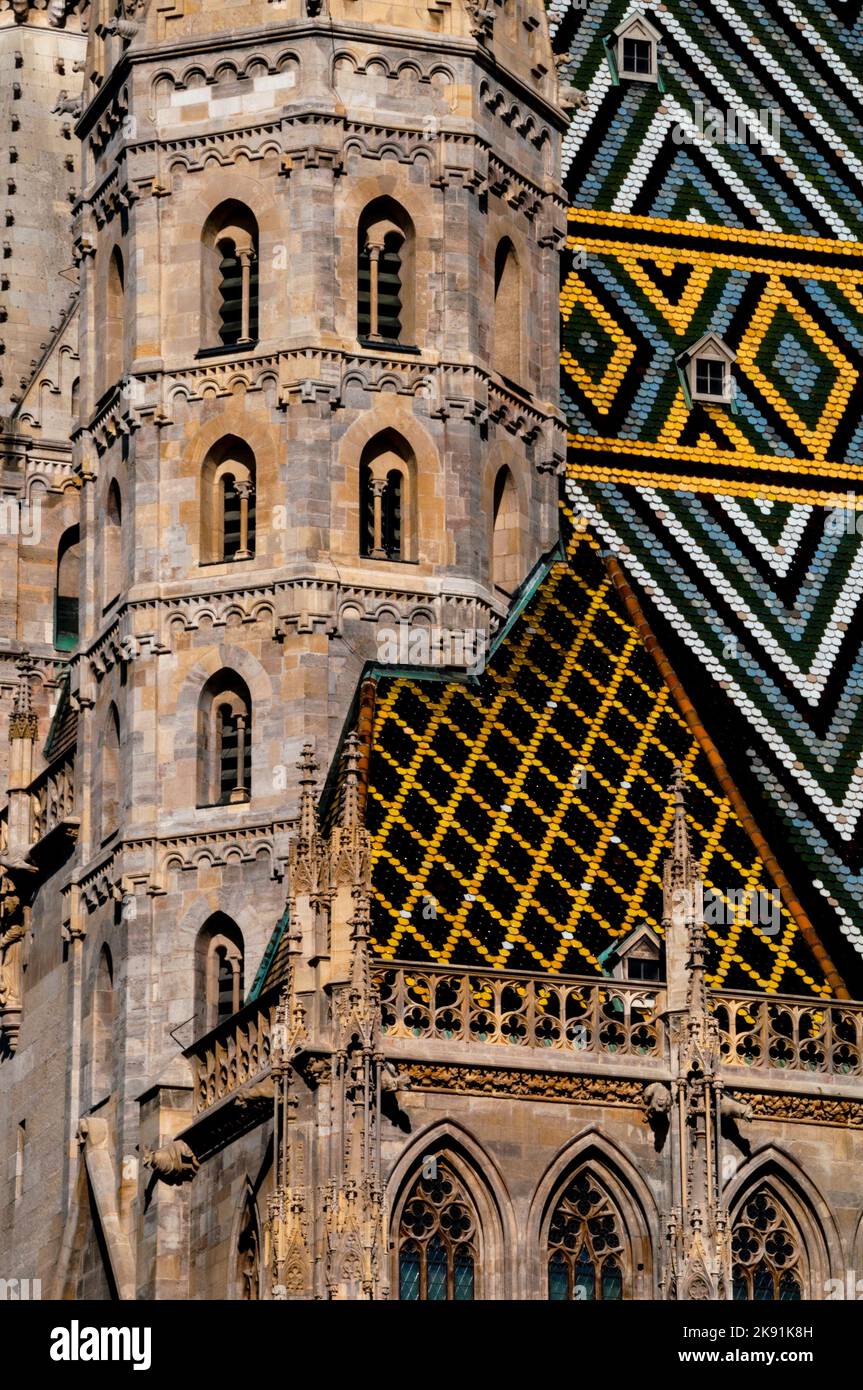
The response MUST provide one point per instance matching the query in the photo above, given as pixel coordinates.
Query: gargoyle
(657, 1099)
(173, 1163)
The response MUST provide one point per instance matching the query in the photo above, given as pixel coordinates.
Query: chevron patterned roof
(740, 528)
(798, 57)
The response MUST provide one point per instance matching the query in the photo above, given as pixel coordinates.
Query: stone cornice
(307, 373)
(224, 42)
(273, 135)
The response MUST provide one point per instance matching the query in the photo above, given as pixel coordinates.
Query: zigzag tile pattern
(741, 530)
(801, 59)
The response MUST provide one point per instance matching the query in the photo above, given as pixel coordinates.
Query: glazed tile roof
(521, 824)
(800, 58)
(728, 520)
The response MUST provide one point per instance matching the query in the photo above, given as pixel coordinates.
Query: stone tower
(41, 50)
(318, 256)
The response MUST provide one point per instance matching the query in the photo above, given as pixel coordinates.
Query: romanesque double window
(229, 288)
(228, 502)
(218, 972)
(767, 1252)
(438, 1247)
(387, 484)
(224, 741)
(585, 1245)
(385, 274)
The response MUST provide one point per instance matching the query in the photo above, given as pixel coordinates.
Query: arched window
(248, 1273)
(585, 1244)
(506, 560)
(103, 1015)
(438, 1244)
(385, 274)
(112, 550)
(387, 483)
(66, 590)
(218, 972)
(228, 502)
(110, 778)
(768, 1261)
(225, 741)
(507, 324)
(115, 325)
(229, 277)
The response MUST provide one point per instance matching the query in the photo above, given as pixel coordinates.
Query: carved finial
(351, 789)
(681, 849)
(23, 722)
(308, 817)
(683, 909)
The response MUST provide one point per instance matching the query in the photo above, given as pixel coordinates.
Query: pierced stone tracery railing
(53, 794)
(227, 1058)
(788, 1033)
(570, 1014)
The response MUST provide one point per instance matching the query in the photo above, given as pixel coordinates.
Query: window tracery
(585, 1245)
(438, 1241)
(766, 1252)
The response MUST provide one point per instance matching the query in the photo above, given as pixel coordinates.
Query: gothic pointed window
(766, 1252)
(229, 293)
(384, 274)
(506, 560)
(585, 1245)
(225, 741)
(248, 1272)
(115, 326)
(438, 1248)
(112, 546)
(66, 591)
(507, 325)
(109, 752)
(103, 1019)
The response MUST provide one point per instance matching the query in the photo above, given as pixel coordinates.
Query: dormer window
(707, 369)
(634, 46)
(637, 957)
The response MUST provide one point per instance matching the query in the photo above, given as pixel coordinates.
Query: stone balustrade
(229, 1057)
(53, 797)
(784, 1033)
(569, 1014)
